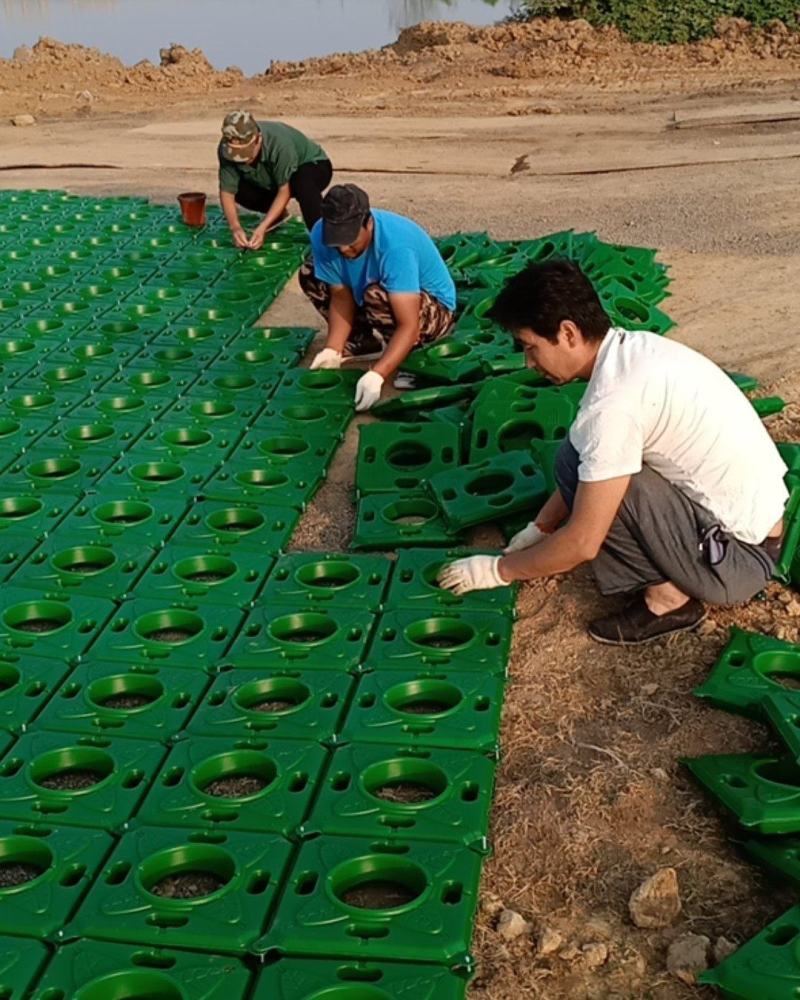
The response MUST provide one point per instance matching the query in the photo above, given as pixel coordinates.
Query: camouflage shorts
(435, 319)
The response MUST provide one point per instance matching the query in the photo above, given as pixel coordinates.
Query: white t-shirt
(656, 402)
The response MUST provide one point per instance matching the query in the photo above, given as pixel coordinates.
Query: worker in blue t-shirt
(381, 284)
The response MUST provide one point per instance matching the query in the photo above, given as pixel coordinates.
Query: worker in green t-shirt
(261, 166)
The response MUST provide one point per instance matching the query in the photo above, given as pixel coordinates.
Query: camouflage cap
(239, 128)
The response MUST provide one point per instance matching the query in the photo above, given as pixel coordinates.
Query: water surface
(244, 33)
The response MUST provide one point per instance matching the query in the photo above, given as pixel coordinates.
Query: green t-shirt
(284, 150)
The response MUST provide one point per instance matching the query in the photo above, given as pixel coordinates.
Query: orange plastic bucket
(193, 208)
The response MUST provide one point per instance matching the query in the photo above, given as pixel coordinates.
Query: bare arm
(405, 307)
(231, 213)
(580, 539)
(553, 514)
(340, 317)
(276, 210)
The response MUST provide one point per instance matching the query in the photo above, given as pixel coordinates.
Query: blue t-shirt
(400, 258)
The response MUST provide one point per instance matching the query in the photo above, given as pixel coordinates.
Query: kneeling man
(668, 484)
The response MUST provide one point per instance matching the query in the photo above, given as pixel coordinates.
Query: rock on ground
(656, 902)
(511, 925)
(687, 956)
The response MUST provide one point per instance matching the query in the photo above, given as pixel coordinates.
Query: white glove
(526, 538)
(327, 358)
(473, 573)
(368, 390)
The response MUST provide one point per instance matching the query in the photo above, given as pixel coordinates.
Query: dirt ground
(590, 796)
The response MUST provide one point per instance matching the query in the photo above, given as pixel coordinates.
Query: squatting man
(668, 484)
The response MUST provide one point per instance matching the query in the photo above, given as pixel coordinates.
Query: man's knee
(376, 295)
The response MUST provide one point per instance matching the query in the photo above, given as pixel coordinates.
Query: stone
(793, 608)
(656, 902)
(660, 774)
(649, 689)
(86, 95)
(570, 954)
(22, 120)
(511, 925)
(708, 627)
(491, 904)
(598, 929)
(22, 53)
(687, 956)
(723, 948)
(595, 954)
(548, 941)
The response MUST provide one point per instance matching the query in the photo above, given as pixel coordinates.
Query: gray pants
(657, 536)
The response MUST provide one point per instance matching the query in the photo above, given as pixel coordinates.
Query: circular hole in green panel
(378, 882)
(170, 355)
(188, 872)
(283, 446)
(632, 310)
(327, 574)
(186, 437)
(9, 677)
(516, 435)
(449, 351)
(32, 401)
(781, 668)
(304, 414)
(239, 774)
(234, 383)
(238, 520)
(157, 472)
(424, 697)
(440, 633)
(272, 695)
(22, 861)
(411, 512)
(71, 770)
(53, 468)
(89, 433)
(212, 408)
(12, 348)
(306, 628)
(130, 985)
(780, 772)
(18, 508)
(65, 374)
(38, 617)
(405, 781)
(125, 692)
(89, 351)
(196, 333)
(84, 560)
(123, 512)
(205, 569)
(488, 485)
(409, 455)
(319, 380)
(8, 427)
(149, 380)
(261, 478)
(170, 626)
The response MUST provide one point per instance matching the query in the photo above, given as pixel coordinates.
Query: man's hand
(524, 539)
(368, 391)
(473, 573)
(327, 358)
(240, 239)
(256, 241)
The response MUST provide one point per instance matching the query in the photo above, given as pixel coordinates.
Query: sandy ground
(590, 797)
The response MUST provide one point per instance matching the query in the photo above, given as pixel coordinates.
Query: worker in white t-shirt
(668, 484)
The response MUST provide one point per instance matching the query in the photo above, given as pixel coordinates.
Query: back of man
(284, 150)
(657, 402)
(401, 258)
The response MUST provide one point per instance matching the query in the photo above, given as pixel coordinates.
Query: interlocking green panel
(247, 355)
(298, 979)
(322, 387)
(145, 631)
(46, 468)
(393, 520)
(246, 385)
(442, 639)
(115, 518)
(402, 457)
(407, 405)
(779, 855)
(248, 868)
(521, 420)
(427, 897)
(425, 708)
(448, 361)
(56, 567)
(299, 453)
(415, 794)
(146, 380)
(184, 443)
(26, 683)
(15, 548)
(298, 417)
(88, 348)
(763, 792)
(414, 585)
(72, 780)
(316, 579)
(55, 867)
(41, 405)
(78, 437)
(176, 357)
(55, 378)
(186, 574)
(215, 411)
(255, 785)
(237, 526)
(59, 627)
(487, 490)
(92, 970)
(20, 965)
(120, 408)
(141, 701)
(765, 968)
(278, 702)
(328, 638)
(161, 477)
(15, 436)
(258, 481)
(32, 515)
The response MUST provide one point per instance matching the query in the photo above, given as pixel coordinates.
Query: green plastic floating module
(257, 480)
(89, 570)
(237, 526)
(32, 515)
(301, 979)
(282, 703)
(73, 780)
(49, 871)
(389, 791)
(459, 711)
(20, 964)
(202, 890)
(402, 457)
(255, 785)
(141, 701)
(92, 970)
(60, 628)
(393, 520)
(188, 575)
(116, 518)
(401, 901)
(316, 579)
(26, 683)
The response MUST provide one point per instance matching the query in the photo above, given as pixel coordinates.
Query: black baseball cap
(344, 209)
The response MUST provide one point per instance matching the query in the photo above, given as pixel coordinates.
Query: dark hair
(543, 295)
